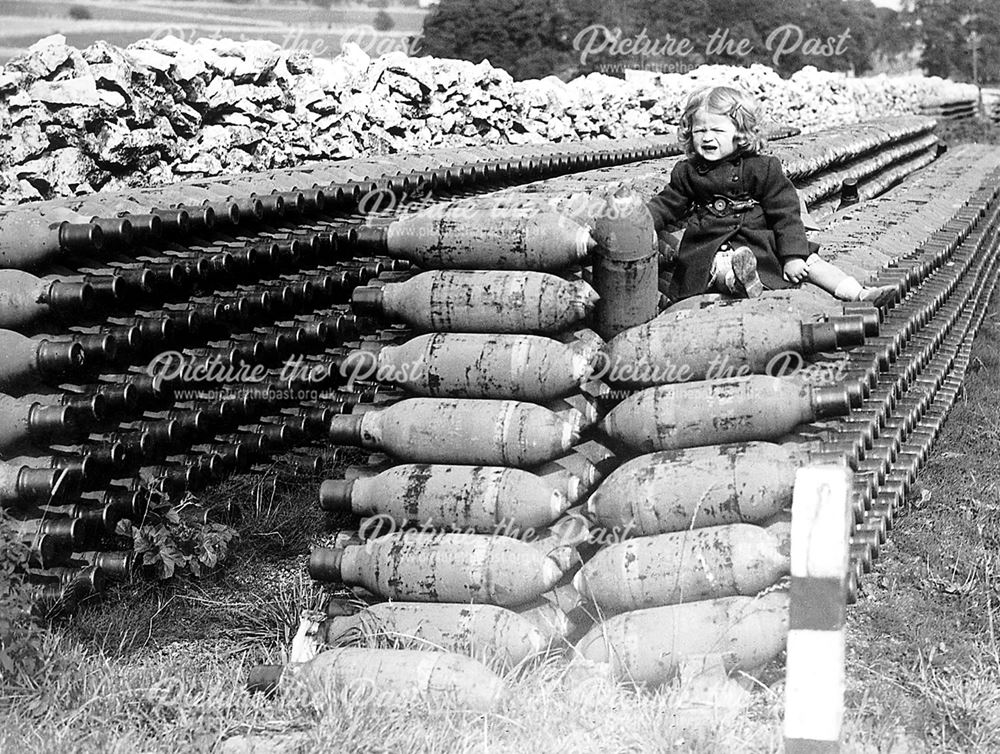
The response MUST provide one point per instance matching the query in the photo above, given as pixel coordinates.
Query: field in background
(306, 27)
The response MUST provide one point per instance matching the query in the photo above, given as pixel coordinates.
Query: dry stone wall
(165, 109)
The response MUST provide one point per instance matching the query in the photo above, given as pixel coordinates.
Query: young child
(744, 231)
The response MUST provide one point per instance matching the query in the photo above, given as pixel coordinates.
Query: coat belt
(723, 206)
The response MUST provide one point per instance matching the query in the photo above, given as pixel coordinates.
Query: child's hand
(796, 270)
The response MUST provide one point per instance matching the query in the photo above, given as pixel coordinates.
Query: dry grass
(175, 700)
(924, 659)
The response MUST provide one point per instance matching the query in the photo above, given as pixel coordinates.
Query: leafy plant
(169, 544)
(21, 639)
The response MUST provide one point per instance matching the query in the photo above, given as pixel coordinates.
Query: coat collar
(704, 166)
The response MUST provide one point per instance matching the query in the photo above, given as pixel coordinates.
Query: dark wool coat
(773, 230)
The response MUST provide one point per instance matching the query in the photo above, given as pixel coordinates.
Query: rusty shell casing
(481, 498)
(647, 647)
(21, 485)
(400, 676)
(808, 303)
(24, 361)
(29, 238)
(418, 567)
(23, 420)
(699, 345)
(483, 631)
(117, 566)
(463, 238)
(673, 490)
(461, 431)
(473, 365)
(683, 566)
(481, 301)
(205, 206)
(46, 550)
(625, 269)
(712, 412)
(115, 231)
(25, 298)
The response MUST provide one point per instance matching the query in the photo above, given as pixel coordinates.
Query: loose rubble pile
(163, 109)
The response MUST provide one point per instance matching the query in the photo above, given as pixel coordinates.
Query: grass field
(305, 26)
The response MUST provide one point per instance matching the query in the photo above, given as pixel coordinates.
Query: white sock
(723, 278)
(848, 290)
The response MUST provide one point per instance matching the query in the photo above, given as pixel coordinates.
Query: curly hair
(724, 100)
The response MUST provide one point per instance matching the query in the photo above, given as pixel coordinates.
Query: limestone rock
(76, 91)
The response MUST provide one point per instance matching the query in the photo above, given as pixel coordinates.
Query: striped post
(814, 688)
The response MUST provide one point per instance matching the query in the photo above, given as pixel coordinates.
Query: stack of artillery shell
(689, 551)
(495, 364)
(702, 383)
(36, 482)
(497, 375)
(746, 405)
(119, 283)
(691, 547)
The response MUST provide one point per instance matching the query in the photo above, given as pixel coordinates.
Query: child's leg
(835, 281)
(832, 279)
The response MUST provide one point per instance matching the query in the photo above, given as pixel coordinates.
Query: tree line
(537, 38)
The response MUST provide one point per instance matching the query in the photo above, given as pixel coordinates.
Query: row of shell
(498, 379)
(483, 552)
(698, 534)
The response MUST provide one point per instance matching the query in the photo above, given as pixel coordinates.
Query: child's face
(714, 135)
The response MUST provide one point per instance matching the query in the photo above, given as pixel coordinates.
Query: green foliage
(21, 639)
(527, 38)
(946, 28)
(169, 545)
(383, 21)
(532, 38)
